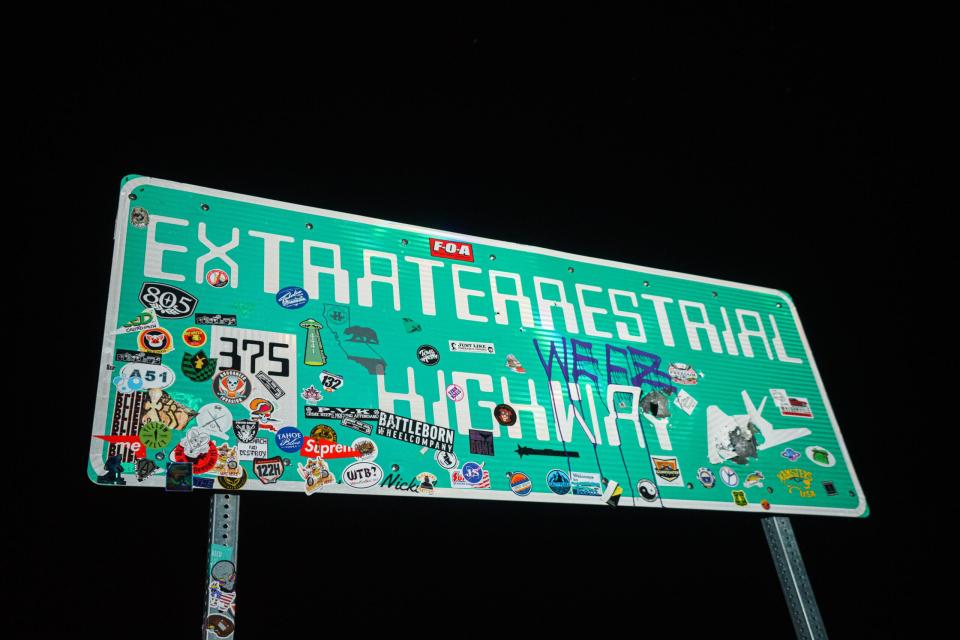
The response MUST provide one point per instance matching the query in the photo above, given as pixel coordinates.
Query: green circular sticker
(155, 435)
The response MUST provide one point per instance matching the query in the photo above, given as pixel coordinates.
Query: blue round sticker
(292, 297)
(289, 439)
(520, 484)
(559, 482)
(472, 472)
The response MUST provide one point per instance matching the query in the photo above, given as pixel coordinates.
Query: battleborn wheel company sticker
(415, 432)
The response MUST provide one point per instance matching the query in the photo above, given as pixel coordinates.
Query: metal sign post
(793, 578)
(220, 594)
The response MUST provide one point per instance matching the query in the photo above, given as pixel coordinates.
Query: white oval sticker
(362, 475)
(137, 376)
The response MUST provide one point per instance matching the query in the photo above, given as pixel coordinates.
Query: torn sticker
(791, 407)
(682, 373)
(514, 365)
(685, 402)
(734, 438)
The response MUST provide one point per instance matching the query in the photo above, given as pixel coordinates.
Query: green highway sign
(256, 345)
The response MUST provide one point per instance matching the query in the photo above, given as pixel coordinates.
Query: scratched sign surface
(256, 345)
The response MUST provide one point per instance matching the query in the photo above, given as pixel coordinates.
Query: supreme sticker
(451, 250)
(318, 448)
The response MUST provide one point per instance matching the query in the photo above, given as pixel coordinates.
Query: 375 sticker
(166, 300)
(267, 357)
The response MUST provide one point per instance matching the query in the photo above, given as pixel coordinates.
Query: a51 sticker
(167, 300)
(255, 352)
(140, 377)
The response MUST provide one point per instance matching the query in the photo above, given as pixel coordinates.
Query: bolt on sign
(334, 344)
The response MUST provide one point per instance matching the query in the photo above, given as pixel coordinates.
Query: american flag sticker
(222, 600)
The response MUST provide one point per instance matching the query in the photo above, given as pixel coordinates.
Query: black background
(768, 146)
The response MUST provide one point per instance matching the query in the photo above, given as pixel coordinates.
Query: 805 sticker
(168, 301)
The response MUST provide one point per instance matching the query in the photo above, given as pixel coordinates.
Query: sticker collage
(235, 365)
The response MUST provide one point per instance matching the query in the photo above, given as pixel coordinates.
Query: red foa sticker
(451, 250)
(320, 448)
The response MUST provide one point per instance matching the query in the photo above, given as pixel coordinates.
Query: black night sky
(766, 146)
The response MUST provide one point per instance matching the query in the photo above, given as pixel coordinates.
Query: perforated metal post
(219, 618)
(793, 578)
